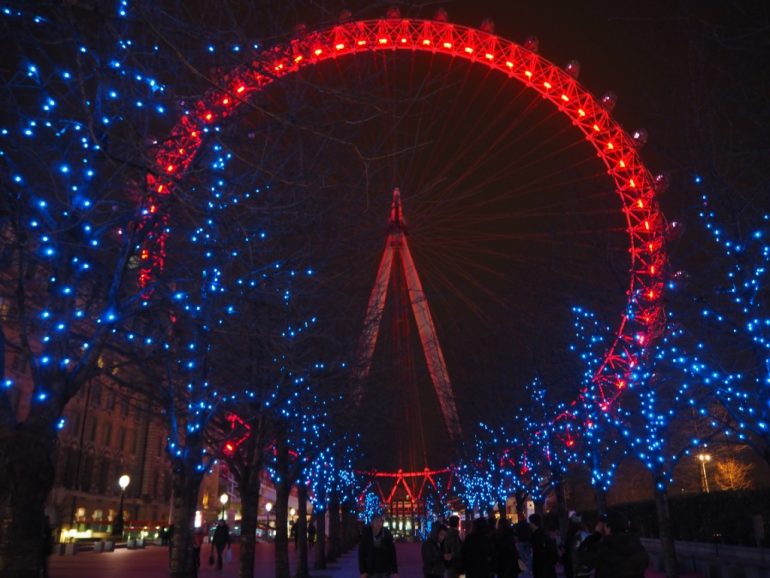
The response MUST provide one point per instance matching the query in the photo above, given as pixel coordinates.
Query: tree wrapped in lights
(599, 443)
(547, 428)
(497, 455)
(735, 314)
(331, 477)
(472, 486)
(73, 163)
(661, 417)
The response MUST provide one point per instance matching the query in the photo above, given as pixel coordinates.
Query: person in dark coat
(377, 552)
(452, 548)
(612, 550)
(544, 552)
(432, 557)
(220, 539)
(476, 553)
(506, 550)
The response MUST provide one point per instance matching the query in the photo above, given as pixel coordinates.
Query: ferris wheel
(492, 145)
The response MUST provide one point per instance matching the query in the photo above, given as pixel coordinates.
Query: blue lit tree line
(218, 329)
(704, 380)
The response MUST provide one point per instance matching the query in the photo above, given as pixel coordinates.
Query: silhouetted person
(221, 539)
(477, 551)
(311, 531)
(506, 551)
(432, 557)
(377, 552)
(544, 551)
(452, 548)
(47, 545)
(612, 551)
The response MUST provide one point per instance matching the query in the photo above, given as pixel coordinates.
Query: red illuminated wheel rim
(633, 183)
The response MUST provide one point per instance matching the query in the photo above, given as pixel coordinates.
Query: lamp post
(268, 508)
(117, 526)
(703, 459)
(223, 500)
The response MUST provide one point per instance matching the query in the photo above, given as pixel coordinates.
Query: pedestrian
(576, 533)
(523, 532)
(198, 535)
(506, 551)
(545, 554)
(293, 533)
(476, 553)
(221, 539)
(376, 551)
(452, 548)
(432, 556)
(47, 545)
(612, 551)
(311, 531)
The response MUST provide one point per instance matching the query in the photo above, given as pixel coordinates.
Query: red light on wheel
(208, 116)
(581, 112)
(240, 89)
(318, 52)
(382, 40)
(447, 45)
(565, 98)
(361, 42)
(426, 42)
(469, 50)
(298, 59)
(339, 46)
(170, 169)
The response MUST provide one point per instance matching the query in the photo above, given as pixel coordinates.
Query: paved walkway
(152, 562)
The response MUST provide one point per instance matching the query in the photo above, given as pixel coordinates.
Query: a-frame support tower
(397, 249)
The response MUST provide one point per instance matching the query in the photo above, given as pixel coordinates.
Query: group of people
(294, 534)
(503, 550)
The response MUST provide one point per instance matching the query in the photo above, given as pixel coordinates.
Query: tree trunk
(301, 525)
(665, 530)
(249, 490)
(601, 500)
(561, 504)
(25, 481)
(320, 547)
(334, 530)
(186, 483)
(282, 491)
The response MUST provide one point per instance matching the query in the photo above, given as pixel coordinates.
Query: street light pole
(703, 459)
(268, 508)
(223, 499)
(117, 526)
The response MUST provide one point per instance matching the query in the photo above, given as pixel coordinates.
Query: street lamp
(223, 499)
(117, 526)
(268, 508)
(703, 459)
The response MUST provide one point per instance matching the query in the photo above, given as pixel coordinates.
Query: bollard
(109, 546)
(99, 547)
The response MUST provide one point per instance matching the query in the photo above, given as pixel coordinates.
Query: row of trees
(704, 381)
(221, 322)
